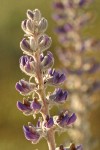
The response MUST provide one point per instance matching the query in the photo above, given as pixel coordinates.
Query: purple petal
(35, 105)
(62, 78)
(22, 107)
(65, 120)
(30, 135)
(49, 123)
(59, 95)
(72, 119)
(25, 43)
(57, 78)
(24, 87)
(18, 87)
(51, 72)
(23, 60)
(25, 128)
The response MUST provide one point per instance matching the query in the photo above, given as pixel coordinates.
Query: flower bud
(30, 26)
(30, 14)
(58, 96)
(25, 46)
(23, 25)
(37, 15)
(27, 65)
(25, 87)
(44, 42)
(43, 24)
(47, 61)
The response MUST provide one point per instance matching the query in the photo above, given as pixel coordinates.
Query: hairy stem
(51, 140)
(45, 112)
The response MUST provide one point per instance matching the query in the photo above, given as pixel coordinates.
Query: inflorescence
(77, 54)
(38, 66)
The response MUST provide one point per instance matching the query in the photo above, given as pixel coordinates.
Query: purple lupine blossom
(39, 68)
(25, 87)
(65, 119)
(31, 133)
(29, 106)
(77, 55)
(25, 106)
(27, 64)
(59, 96)
(56, 77)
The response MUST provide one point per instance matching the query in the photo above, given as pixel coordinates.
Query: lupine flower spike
(38, 66)
(77, 55)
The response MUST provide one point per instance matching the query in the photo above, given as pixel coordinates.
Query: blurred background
(12, 12)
